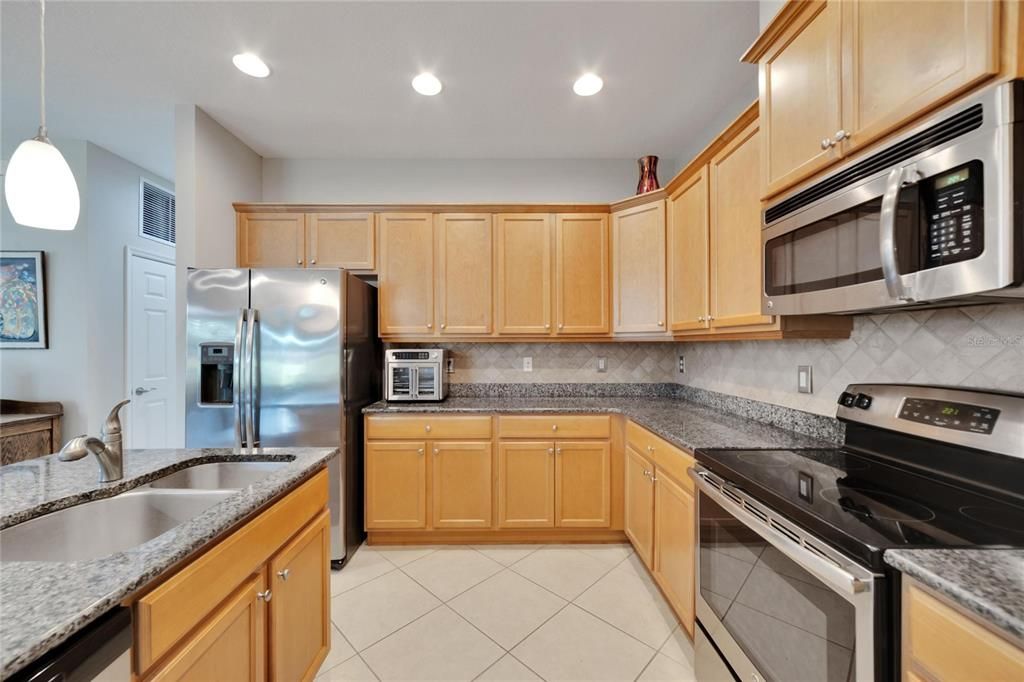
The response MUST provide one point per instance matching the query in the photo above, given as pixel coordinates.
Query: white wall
(213, 168)
(84, 367)
(450, 180)
(768, 9)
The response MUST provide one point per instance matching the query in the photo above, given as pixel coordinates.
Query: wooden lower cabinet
(396, 484)
(582, 485)
(639, 497)
(674, 546)
(526, 484)
(461, 484)
(253, 607)
(300, 621)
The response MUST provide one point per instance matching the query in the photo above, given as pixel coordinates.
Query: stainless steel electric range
(791, 581)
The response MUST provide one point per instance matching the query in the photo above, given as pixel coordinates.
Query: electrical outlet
(804, 379)
(527, 364)
(682, 364)
(602, 364)
(450, 366)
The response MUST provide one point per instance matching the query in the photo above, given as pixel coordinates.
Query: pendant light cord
(42, 68)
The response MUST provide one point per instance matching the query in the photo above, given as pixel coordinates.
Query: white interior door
(150, 354)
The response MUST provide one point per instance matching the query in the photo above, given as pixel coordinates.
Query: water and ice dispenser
(216, 369)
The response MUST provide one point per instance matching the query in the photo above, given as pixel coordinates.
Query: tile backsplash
(976, 346)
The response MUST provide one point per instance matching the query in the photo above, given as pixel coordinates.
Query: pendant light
(39, 186)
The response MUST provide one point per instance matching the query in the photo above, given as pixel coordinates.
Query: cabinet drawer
(555, 426)
(176, 606)
(667, 457)
(423, 426)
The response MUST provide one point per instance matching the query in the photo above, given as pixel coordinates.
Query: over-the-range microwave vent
(959, 124)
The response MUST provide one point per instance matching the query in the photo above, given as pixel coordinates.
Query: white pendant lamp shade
(40, 188)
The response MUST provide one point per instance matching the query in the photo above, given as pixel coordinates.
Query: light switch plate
(804, 379)
(602, 364)
(527, 364)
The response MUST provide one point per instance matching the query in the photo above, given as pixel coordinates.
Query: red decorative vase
(648, 174)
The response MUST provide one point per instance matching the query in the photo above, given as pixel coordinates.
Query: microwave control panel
(954, 210)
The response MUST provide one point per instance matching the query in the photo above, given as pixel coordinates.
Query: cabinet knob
(430, 325)
(554, 427)
(547, 325)
(561, 325)
(443, 325)
(700, 318)
(825, 143)
(840, 136)
(661, 323)
(427, 427)
(551, 451)
(558, 450)
(650, 448)
(436, 451)
(420, 451)
(312, 261)
(265, 595)
(283, 575)
(298, 262)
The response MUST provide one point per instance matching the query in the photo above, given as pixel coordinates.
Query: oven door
(778, 604)
(937, 225)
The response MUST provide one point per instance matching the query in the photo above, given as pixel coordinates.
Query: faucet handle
(112, 426)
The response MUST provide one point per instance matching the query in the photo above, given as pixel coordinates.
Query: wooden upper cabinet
(406, 273)
(688, 227)
(271, 240)
(461, 484)
(465, 273)
(341, 240)
(639, 504)
(524, 272)
(582, 304)
(638, 268)
(396, 484)
(300, 620)
(901, 58)
(801, 97)
(736, 279)
(526, 485)
(582, 484)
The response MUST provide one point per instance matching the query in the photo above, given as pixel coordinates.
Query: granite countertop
(987, 582)
(683, 423)
(45, 602)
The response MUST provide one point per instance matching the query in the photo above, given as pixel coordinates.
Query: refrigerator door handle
(237, 376)
(252, 383)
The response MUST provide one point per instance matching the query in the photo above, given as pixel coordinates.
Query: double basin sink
(96, 529)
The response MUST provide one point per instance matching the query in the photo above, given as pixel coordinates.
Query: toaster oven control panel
(954, 205)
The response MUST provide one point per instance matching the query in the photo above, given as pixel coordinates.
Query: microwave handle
(887, 233)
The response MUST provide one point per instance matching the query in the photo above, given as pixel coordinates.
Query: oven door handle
(887, 232)
(839, 579)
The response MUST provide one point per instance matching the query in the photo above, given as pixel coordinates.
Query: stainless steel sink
(219, 475)
(102, 527)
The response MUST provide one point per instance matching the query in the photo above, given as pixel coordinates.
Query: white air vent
(156, 213)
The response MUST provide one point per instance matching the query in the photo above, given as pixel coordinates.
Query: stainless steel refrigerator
(281, 358)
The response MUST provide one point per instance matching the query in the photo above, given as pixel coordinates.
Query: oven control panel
(950, 415)
(954, 203)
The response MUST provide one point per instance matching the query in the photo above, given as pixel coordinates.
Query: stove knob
(847, 399)
(863, 401)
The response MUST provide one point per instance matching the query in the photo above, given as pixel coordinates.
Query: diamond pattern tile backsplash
(976, 346)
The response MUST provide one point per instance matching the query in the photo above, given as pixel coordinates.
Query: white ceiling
(340, 75)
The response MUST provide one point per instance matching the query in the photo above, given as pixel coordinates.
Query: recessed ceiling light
(426, 84)
(588, 84)
(251, 65)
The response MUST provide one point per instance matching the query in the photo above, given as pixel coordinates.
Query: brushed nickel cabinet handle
(840, 136)
(265, 595)
(284, 573)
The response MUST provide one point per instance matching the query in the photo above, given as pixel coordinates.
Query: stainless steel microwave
(933, 218)
(415, 374)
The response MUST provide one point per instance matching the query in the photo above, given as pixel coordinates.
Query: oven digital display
(942, 413)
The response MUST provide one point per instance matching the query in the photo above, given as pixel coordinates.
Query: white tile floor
(516, 612)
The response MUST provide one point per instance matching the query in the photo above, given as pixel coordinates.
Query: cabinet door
(688, 226)
(300, 620)
(341, 240)
(271, 240)
(464, 273)
(231, 644)
(582, 303)
(406, 273)
(582, 486)
(462, 484)
(736, 262)
(638, 268)
(801, 97)
(396, 484)
(674, 541)
(639, 502)
(524, 274)
(902, 58)
(526, 485)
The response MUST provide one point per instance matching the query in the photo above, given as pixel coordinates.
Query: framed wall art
(22, 300)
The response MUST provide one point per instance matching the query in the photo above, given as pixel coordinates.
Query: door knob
(140, 390)
(283, 574)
